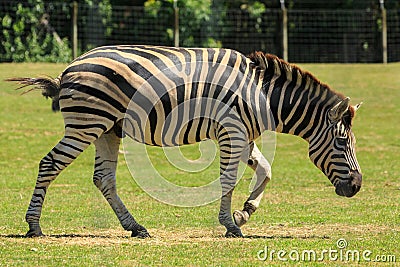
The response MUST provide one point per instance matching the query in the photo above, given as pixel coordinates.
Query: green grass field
(300, 211)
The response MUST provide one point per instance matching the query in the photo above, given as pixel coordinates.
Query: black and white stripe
(165, 96)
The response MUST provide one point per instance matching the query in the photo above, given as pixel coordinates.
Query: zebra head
(333, 149)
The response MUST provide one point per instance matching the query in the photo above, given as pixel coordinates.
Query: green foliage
(197, 17)
(25, 38)
(256, 9)
(105, 10)
(95, 20)
(203, 23)
(193, 16)
(152, 7)
(211, 42)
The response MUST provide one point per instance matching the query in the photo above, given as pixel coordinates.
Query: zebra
(129, 90)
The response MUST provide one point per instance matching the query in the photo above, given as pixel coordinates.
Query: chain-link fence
(335, 36)
(312, 35)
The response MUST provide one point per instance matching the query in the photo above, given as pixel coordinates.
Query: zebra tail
(50, 87)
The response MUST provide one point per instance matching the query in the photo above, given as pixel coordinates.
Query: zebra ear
(335, 113)
(356, 107)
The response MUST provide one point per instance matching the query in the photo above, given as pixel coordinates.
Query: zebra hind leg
(50, 166)
(262, 169)
(104, 178)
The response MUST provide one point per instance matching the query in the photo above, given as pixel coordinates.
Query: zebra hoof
(140, 234)
(234, 233)
(240, 217)
(34, 233)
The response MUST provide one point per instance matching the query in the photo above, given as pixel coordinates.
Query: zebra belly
(186, 123)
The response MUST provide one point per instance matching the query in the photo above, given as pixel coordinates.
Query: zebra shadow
(101, 236)
(94, 236)
(286, 237)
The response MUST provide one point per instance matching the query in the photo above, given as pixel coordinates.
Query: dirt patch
(316, 231)
(166, 237)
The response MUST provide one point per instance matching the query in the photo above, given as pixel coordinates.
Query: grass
(299, 211)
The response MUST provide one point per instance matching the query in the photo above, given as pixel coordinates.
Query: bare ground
(190, 236)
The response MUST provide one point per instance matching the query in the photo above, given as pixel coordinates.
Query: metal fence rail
(312, 35)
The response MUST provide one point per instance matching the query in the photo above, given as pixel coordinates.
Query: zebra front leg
(104, 178)
(232, 142)
(225, 218)
(49, 167)
(262, 169)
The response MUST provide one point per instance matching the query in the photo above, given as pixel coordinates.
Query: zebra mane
(268, 63)
(265, 62)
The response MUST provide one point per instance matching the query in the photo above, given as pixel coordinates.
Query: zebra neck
(297, 100)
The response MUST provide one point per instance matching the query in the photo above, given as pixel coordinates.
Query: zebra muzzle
(350, 187)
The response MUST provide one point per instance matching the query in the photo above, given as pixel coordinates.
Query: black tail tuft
(50, 87)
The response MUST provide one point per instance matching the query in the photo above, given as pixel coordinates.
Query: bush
(28, 37)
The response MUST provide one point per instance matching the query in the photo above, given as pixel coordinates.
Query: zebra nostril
(356, 178)
(350, 187)
(356, 188)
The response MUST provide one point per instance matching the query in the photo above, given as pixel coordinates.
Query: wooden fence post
(75, 29)
(176, 24)
(284, 31)
(384, 33)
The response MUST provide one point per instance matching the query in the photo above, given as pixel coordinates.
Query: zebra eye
(341, 141)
